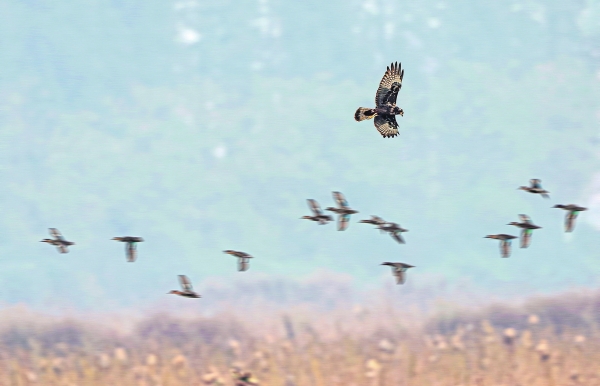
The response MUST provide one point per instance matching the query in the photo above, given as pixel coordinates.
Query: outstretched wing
(390, 84)
(525, 218)
(505, 248)
(56, 234)
(570, 221)
(314, 206)
(343, 221)
(526, 237)
(340, 199)
(242, 264)
(386, 125)
(131, 251)
(400, 276)
(398, 237)
(62, 248)
(186, 284)
(536, 183)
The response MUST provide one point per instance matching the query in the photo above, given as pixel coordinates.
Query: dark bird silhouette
(318, 214)
(343, 210)
(571, 216)
(130, 246)
(58, 241)
(394, 230)
(385, 110)
(374, 220)
(243, 259)
(399, 271)
(527, 227)
(186, 286)
(535, 186)
(505, 241)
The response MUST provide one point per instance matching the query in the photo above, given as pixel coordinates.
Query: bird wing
(343, 221)
(242, 264)
(390, 84)
(386, 125)
(536, 183)
(314, 206)
(56, 234)
(525, 218)
(131, 251)
(505, 248)
(377, 219)
(400, 276)
(398, 237)
(340, 199)
(570, 221)
(526, 237)
(62, 248)
(545, 195)
(186, 284)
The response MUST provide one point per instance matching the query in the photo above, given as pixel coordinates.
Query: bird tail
(364, 113)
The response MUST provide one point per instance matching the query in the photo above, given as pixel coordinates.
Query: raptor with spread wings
(385, 110)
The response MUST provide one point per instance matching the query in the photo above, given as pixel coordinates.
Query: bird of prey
(399, 271)
(343, 210)
(527, 226)
(573, 211)
(374, 220)
(535, 187)
(186, 286)
(394, 230)
(243, 259)
(505, 241)
(58, 241)
(130, 246)
(318, 214)
(385, 110)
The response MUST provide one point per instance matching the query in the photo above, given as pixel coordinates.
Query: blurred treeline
(543, 341)
(204, 126)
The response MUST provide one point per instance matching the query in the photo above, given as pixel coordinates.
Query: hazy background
(203, 126)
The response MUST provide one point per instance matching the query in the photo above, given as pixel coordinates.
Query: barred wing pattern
(389, 86)
(386, 125)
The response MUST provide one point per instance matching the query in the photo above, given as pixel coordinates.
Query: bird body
(243, 259)
(318, 214)
(58, 241)
(374, 220)
(130, 246)
(343, 210)
(394, 230)
(399, 271)
(186, 286)
(535, 186)
(385, 110)
(505, 241)
(572, 212)
(527, 227)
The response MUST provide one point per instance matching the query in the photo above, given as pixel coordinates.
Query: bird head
(46, 241)
(229, 251)
(398, 111)
(174, 292)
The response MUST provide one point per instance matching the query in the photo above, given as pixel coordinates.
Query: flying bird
(573, 211)
(318, 214)
(399, 271)
(58, 241)
(385, 110)
(535, 186)
(243, 259)
(186, 286)
(343, 210)
(130, 246)
(527, 226)
(394, 230)
(374, 220)
(505, 241)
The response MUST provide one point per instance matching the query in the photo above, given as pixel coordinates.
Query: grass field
(543, 341)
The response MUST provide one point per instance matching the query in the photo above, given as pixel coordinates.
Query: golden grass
(360, 347)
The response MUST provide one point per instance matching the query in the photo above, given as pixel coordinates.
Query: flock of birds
(527, 226)
(384, 116)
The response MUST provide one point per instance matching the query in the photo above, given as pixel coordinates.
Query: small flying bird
(243, 259)
(385, 110)
(374, 220)
(58, 241)
(527, 226)
(130, 246)
(573, 211)
(505, 241)
(535, 187)
(318, 214)
(186, 285)
(343, 210)
(399, 270)
(394, 230)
